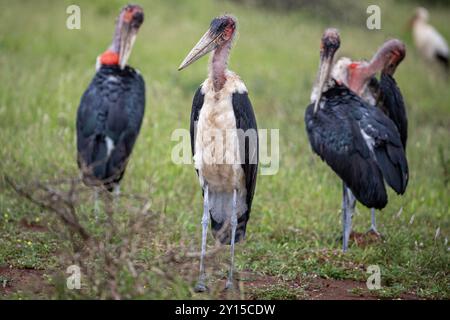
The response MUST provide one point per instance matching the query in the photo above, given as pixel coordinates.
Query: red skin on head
(386, 60)
(128, 16)
(129, 13)
(229, 30)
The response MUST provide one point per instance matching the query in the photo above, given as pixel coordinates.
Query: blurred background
(293, 246)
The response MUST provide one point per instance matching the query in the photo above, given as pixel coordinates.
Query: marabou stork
(359, 76)
(111, 109)
(224, 142)
(429, 42)
(357, 140)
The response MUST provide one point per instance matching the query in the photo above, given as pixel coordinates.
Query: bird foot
(229, 286)
(373, 232)
(201, 287)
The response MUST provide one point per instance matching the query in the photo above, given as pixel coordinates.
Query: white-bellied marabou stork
(226, 163)
(357, 140)
(429, 42)
(111, 109)
(360, 77)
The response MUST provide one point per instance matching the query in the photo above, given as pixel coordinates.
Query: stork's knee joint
(233, 221)
(205, 221)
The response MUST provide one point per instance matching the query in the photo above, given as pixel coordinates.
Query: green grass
(295, 224)
(278, 292)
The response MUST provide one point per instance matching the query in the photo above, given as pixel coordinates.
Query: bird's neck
(382, 62)
(111, 55)
(218, 65)
(419, 22)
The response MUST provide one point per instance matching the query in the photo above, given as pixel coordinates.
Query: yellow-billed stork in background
(429, 42)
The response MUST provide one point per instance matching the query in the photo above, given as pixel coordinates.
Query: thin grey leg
(96, 203)
(348, 204)
(373, 224)
(201, 286)
(351, 201)
(233, 221)
(117, 190)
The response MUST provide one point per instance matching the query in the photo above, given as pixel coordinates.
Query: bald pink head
(386, 60)
(388, 57)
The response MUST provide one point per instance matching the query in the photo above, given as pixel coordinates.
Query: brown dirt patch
(32, 282)
(331, 289)
(29, 281)
(317, 288)
(364, 239)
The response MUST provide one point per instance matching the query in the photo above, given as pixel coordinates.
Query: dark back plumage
(360, 144)
(246, 120)
(110, 115)
(392, 101)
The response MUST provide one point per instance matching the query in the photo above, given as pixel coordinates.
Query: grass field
(292, 249)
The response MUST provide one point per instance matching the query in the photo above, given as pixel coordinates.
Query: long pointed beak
(206, 44)
(128, 36)
(324, 72)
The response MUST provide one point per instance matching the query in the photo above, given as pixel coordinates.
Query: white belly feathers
(217, 157)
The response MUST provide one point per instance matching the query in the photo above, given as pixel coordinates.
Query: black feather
(335, 134)
(246, 121)
(112, 106)
(443, 60)
(393, 105)
(197, 104)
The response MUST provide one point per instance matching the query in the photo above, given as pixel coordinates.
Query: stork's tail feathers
(220, 209)
(96, 166)
(444, 61)
(221, 231)
(394, 166)
(93, 161)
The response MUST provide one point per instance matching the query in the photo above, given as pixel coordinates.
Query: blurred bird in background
(428, 41)
(111, 109)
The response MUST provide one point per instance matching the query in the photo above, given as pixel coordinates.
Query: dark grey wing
(91, 118)
(197, 104)
(336, 138)
(392, 101)
(248, 149)
(246, 121)
(111, 109)
(124, 122)
(381, 134)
